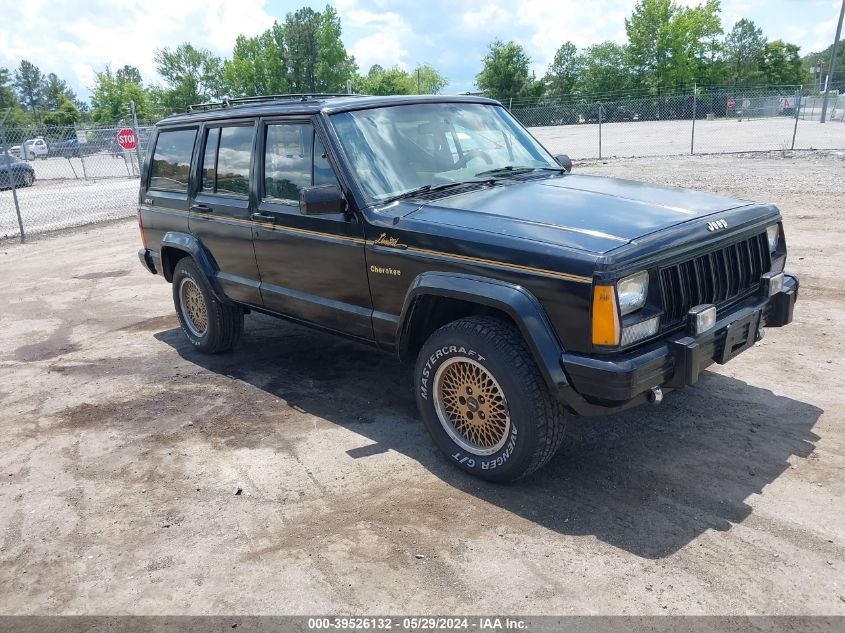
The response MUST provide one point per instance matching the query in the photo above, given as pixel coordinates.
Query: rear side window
(226, 161)
(171, 166)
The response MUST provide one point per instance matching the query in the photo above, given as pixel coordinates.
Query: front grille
(719, 277)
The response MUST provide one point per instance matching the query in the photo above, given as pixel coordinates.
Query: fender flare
(189, 244)
(515, 301)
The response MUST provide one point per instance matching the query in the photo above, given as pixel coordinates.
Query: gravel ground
(124, 451)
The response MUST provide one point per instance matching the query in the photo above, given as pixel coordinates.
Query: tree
(192, 75)
(305, 54)
(257, 66)
(743, 48)
(29, 83)
(112, 93)
(651, 42)
(695, 32)
(779, 63)
(563, 72)
(671, 46)
(603, 70)
(428, 80)
(505, 72)
(56, 91)
(66, 113)
(334, 66)
(390, 81)
(8, 98)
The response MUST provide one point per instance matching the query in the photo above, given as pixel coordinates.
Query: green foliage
(505, 72)
(562, 74)
(66, 113)
(56, 91)
(780, 63)
(381, 81)
(303, 55)
(29, 83)
(743, 48)
(192, 75)
(8, 98)
(428, 80)
(112, 93)
(651, 43)
(257, 66)
(603, 69)
(671, 46)
(396, 81)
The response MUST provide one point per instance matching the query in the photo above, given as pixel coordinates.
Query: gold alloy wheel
(471, 406)
(194, 311)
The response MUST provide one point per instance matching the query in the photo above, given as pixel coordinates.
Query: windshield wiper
(427, 188)
(511, 169)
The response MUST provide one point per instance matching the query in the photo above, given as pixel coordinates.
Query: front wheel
(484, 402)
(210, 325)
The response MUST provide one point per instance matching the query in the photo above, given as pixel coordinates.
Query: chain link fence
(56, 177)
(80, 174)
(705, 121)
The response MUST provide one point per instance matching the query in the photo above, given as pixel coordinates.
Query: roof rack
(239, 101)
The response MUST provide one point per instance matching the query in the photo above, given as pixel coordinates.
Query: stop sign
(126, 138)
(731, 103)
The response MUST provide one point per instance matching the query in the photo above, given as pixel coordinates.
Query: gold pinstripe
(492, 262)
(410, 249)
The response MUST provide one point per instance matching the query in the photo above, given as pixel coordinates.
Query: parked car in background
(22, 172)
(30, 149)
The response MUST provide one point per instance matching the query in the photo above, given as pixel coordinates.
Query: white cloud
(73, 41)
(387, 33)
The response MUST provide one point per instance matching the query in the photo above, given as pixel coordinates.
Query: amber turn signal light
(605, 316)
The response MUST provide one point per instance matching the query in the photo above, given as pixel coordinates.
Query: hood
(591, 213)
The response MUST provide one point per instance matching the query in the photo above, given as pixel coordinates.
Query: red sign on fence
(126, 138)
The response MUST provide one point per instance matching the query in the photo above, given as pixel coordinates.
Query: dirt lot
(124, 450)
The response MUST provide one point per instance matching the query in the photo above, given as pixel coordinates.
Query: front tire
(484, 402)
(209, 324)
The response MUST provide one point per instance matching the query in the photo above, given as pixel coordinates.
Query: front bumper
(618, 381)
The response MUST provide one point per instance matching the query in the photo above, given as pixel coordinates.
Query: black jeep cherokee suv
(438, 229)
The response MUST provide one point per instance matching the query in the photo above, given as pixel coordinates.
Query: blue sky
(73, 39)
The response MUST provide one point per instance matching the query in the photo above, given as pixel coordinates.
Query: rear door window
(171, 164)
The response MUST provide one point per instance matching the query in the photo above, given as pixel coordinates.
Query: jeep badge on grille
(717, 225)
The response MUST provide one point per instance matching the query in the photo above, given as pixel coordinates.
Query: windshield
(399, 149)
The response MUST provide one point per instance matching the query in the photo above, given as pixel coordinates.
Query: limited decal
(392, 242)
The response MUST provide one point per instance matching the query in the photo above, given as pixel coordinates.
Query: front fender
(515, 301)
(187, 243)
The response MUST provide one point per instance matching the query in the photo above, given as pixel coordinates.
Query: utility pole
(10, 172)
(833, 61)
(418, 80)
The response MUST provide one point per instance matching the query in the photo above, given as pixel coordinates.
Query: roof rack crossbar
(229, 103)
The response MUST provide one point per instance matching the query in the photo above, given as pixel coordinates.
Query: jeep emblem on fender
(716, 225)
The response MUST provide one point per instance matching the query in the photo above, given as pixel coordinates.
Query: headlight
(632, 292)
(773, 233)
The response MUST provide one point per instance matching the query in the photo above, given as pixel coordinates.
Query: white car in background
(31, 149)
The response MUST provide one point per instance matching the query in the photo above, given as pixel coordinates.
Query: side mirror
(564, 161)
(321, 200)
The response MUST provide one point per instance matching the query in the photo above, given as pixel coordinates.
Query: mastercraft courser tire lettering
(483, 400)
(210, 325)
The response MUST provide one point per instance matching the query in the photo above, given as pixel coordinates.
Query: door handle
(201, 208)
(263, 217)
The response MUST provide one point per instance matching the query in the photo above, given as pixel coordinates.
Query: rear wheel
(209, 324)
(484, 402)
